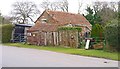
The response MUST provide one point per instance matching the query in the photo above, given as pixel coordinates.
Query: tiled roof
(61, 18)
(67, 18)
(34, 28)
(44, 27)
(48, 27)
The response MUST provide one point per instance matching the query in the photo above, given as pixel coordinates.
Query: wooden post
(77, 39)
(54, 39)
(45, 39)
(57, 38)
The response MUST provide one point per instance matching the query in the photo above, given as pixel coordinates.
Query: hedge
(6, 32)
(111, 36)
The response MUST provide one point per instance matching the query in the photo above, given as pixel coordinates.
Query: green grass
(83, 52)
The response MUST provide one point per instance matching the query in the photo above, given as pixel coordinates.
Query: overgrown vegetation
(83, 52)
(111, 36)
(6, 32)
(103, 26)
(70, 28)
(97, 31)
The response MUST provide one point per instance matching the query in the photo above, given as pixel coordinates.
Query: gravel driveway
(23, 57)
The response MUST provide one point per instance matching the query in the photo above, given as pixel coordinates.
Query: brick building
(45, 32)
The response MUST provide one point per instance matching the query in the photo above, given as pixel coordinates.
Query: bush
(6, 32)
(111, 36)
(97, 32)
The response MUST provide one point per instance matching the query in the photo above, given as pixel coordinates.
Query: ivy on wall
(70, 28)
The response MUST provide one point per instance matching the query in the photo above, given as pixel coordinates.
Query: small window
(44, 20)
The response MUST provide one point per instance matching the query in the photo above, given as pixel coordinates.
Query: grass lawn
(83, 52)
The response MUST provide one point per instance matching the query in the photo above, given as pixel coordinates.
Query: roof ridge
(62, 12)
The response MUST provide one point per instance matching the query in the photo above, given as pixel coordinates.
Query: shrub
(97, 32)
(111, 36)
(6, 32)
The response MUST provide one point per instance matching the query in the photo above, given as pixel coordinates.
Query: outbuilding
(45, 31)
(19, 32)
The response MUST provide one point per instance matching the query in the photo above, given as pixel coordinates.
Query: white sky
(6, 5)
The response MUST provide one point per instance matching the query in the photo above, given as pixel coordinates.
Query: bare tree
(100, 5)
(106, 10)
(24, 11)
(0, 13)
(114, 6)
(54, 6)
(79, 6)
(45, 4)
(57, 5)
(119, 11)
(97, 6)
(64, 5)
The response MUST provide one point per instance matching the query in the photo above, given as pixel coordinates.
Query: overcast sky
(6, 5)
